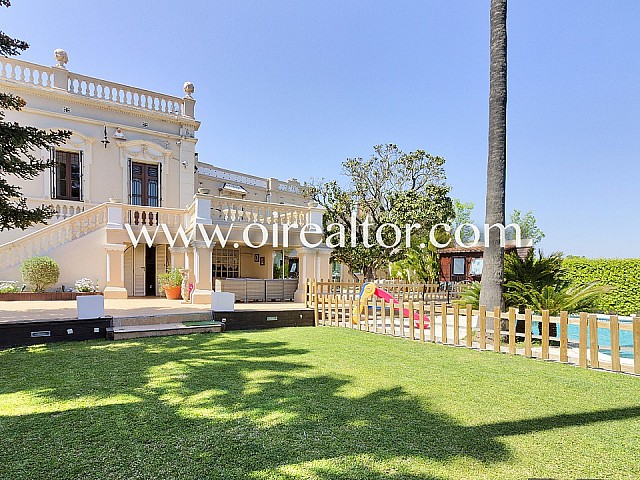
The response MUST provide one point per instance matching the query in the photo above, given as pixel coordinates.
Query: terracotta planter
(173, 292)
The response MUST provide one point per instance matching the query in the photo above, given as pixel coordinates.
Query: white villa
(132, 160)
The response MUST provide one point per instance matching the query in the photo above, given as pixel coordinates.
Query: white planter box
(90, 306)
(222, 301)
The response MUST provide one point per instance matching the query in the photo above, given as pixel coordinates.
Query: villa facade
(131, 162)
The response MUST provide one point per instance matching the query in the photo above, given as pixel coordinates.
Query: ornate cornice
(144, 149)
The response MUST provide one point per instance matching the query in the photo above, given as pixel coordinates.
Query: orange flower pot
(173, 292)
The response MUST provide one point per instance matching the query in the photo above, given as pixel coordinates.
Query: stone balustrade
(248, 211)
(153, 216)
(206, 209)
(56, 78)
(62, 208)
(26, 72)
(123, 94)
(52, 236)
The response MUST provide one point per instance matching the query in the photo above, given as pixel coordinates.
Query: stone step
(155, 330)
(162, 319)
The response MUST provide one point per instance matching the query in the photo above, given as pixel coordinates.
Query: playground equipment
(370, 289)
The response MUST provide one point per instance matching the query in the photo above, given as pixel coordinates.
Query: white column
(202, 271)
(115, 271)
(305, 258)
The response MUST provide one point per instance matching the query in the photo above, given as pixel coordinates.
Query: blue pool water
(604, 339)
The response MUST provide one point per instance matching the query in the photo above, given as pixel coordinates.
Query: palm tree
(493, 264)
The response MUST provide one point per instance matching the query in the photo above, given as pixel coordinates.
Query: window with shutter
(66, 176)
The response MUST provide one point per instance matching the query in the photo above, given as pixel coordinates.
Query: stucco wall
(83, 257)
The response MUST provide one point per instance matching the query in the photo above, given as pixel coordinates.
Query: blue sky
(292, 88)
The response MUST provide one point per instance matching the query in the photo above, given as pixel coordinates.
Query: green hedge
(623, 275)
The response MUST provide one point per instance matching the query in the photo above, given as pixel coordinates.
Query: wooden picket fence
(338, 304)
(408, 291)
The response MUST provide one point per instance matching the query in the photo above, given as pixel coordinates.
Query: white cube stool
(222, 301)
(90, 306)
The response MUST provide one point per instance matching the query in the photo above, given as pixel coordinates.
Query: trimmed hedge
(623, 275)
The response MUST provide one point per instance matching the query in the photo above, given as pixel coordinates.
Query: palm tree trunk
(493, 264)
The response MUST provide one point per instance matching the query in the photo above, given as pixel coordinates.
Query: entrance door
(142, 266)
(145, 185)
(150, 272)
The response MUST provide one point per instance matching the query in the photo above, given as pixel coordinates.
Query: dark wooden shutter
(53, 167)
(81, 160)
(129, 182)
(159, 184)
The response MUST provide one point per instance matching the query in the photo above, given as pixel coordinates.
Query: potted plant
(171, 283)
(85, 285)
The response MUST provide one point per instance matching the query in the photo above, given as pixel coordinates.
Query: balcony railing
(26, 72)
(123, 94)
(154, 216)
(62, 208)
(248, 211)
(32, 74)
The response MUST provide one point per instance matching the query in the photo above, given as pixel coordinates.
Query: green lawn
(313, 403)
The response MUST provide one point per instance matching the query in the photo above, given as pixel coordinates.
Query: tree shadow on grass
(225, 407)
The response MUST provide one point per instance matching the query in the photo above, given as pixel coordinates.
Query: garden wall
(621, 274)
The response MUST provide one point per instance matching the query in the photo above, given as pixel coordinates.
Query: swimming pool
(604, 338)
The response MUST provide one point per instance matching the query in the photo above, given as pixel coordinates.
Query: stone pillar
(202, 273)
(114, 214)
(188, 102)
(188, 264)
(186, 167)
(60, 72)
(324, 263)
(306, 258)
(202, 208)
(178, 259)
(314, 265)
(315, 214)
(115, 271)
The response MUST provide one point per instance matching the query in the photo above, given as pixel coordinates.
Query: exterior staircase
(51, 236)
(158, 325)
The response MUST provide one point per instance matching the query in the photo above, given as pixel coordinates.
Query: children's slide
(370, 289)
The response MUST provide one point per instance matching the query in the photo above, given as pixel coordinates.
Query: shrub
(623, 275)
(85, 285)
(470, 295)
(40, 272)
(172, 278)
(7, 286)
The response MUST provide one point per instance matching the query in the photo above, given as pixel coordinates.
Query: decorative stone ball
(188, 88)
(61, 57)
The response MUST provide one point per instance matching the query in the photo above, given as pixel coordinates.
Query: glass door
(145, 185)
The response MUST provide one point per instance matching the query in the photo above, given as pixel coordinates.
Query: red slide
(370, 289)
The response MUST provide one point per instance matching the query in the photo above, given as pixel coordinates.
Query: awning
(230, 187)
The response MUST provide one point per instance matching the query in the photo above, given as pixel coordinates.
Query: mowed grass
(317, 403)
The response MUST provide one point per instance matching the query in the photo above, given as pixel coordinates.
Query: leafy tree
(17, 146)
(528, 227)
(493, 258)
(390, 187)
(462, 212)
(527, 222)
(421, 264)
